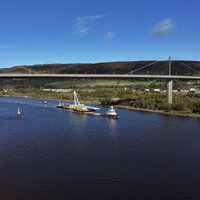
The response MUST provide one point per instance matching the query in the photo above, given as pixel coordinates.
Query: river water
(48, 153)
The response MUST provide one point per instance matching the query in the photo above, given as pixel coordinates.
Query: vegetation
(97, 83)
(184, 104)
(88, 83)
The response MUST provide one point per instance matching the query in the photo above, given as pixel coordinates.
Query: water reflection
(112, 125)
(77, 116)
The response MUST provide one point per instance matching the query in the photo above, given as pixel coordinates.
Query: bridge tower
(169, 91)
(169, 85)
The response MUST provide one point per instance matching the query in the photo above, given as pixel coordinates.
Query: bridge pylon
(169, 85)
(169, 91)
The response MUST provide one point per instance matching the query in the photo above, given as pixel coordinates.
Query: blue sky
(92, 31)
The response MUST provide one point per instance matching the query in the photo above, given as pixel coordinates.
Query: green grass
(97, 83)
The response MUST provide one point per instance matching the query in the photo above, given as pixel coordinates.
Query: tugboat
(111, 113)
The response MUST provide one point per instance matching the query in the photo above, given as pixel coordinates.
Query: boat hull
(111, 116)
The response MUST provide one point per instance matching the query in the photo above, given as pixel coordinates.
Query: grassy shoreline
(95, 102)
(174, 113)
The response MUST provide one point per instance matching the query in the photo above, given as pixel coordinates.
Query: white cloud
(163, 27)
(110, 35)
(3, 46)
(83, 24)
(89, 17)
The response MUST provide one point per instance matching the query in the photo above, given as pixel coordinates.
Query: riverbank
(96, 102)
(57, 99)
(160, 111)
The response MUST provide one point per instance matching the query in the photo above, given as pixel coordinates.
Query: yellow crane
(77, 105)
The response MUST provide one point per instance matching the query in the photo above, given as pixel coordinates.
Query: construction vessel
(81, 108)
(77, 106)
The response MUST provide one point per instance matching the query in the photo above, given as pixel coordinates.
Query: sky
(93, 31)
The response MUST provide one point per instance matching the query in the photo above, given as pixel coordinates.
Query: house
(197, 91)
(184, 91)
(192, 89)
(156, 90)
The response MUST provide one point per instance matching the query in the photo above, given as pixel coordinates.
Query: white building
(156, 90)
(192, 89)
(184, 91)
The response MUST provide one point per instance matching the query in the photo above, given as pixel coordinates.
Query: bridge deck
(100, 76)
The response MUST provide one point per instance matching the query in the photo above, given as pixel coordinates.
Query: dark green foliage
(196, 107)
(182, 103)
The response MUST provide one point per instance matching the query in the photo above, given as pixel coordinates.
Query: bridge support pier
(169, 91)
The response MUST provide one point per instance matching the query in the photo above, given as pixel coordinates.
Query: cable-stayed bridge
(168, 78)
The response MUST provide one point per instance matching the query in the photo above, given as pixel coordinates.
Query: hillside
(110, 68)
(98, 68)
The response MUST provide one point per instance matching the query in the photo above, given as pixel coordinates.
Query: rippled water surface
(49, 153)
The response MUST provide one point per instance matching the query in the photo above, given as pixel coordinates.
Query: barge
(77, 106)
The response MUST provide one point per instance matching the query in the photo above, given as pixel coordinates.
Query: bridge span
(168, 78)
(100, 76)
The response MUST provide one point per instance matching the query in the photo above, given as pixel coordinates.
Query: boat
(79, 107)
(60, 105)
(45, 102)
(111, 113)
(18, 112)
(91, 108)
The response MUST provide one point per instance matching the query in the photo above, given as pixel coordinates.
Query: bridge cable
(132, 71)
(188, 66)
(29, 70)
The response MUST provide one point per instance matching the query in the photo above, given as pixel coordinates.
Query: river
(48, 153)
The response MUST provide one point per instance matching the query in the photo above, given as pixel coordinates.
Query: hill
(110, 68)
(98, 68)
